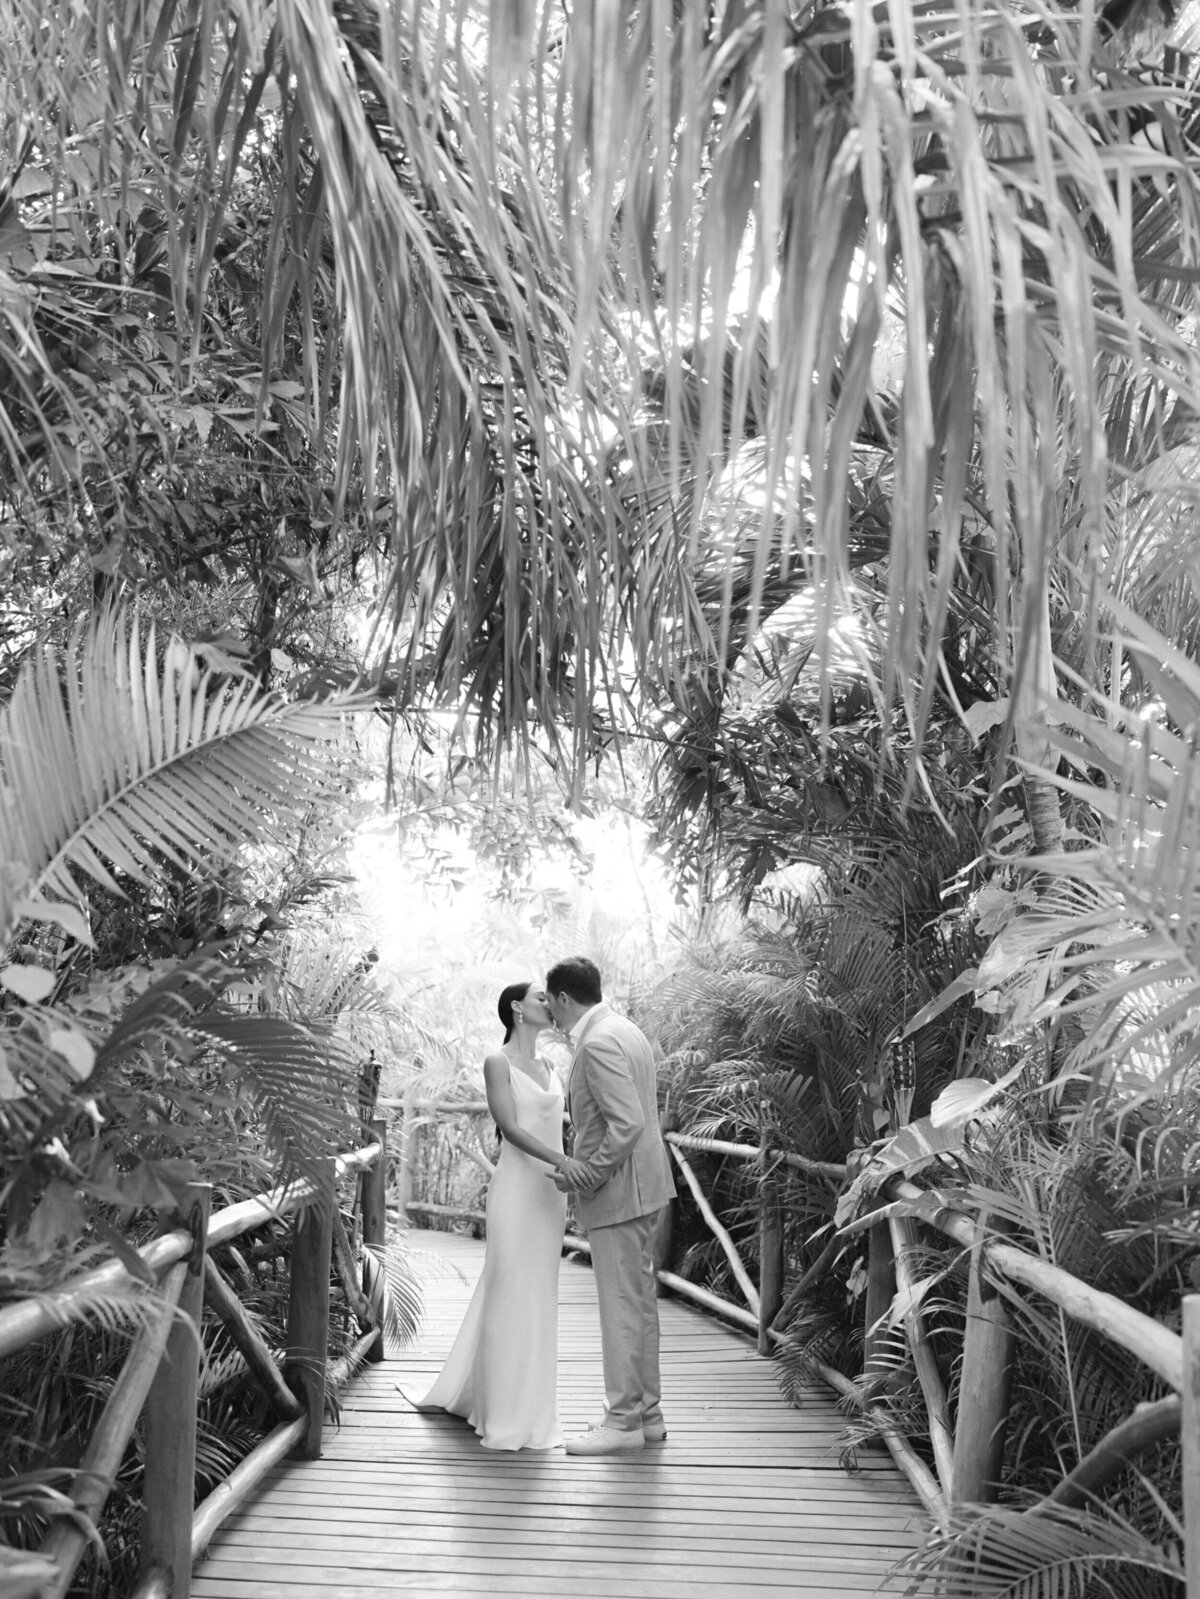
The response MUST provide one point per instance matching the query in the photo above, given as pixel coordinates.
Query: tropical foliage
(178, 1005)
(848, 441)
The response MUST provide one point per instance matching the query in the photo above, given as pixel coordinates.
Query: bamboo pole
(914, 1468)
(374, 1212)
(342, 1370)
(21, 1324)
(984, 1390)
(928, 1375)
(343, 1257)
(481, 1160)
(102, 1459)
(226, 1304)
(719, 1232)
(406, 1154)
(663, 1242)
(1148, 1425)
(169, 1479)
(719, 1146)
(1152, 1343)
(1143, 1337)
(421, 1207)
(282, 1201)
(308, 1317)
(1189, 1427)
(770, 1264)
(881, 1289)
(242, 1481)
(797, 1292)
(34, 1318)
(710, 1301)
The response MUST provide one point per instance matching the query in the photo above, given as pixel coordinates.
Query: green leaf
(30, 983)
(118, 763)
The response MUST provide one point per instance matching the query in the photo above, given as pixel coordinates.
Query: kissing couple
(502, 1373)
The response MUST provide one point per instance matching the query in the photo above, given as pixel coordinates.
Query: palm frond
(301, 1083)
(1111, 940)
(1003, 1553)
(117, 761)
(393, 1289)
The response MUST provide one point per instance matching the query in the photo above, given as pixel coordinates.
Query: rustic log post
(664, 1230)
(983, 1392)
(1189, 1428)
(770, 1262)
(881, 1289)
(406, 1155)
(169, 1481)
(374, 1212)
(308, 1314)
(929, 1377)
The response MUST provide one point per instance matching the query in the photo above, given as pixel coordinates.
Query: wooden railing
(967, 1450)
(160, 1377)
(968, 1454)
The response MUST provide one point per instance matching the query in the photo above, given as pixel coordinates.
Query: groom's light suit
(612, 1100)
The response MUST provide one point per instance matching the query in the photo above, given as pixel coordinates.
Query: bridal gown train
(502, 1373)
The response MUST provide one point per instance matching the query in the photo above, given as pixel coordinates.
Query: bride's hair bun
(510, 995)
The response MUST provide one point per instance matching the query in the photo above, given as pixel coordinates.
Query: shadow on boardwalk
(745, 1498)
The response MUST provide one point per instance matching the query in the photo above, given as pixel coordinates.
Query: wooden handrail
(994, 1260)
(98, 1468)
(1140, 1335)
(719, 1146)
(183, 1254)
(1137, 1333)
(283, 1201)
(34, 1318)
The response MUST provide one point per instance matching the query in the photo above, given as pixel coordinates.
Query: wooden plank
(240, 1584)
(745, 1497)
(789, 1524)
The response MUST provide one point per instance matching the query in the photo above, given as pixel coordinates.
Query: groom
(621, 1179)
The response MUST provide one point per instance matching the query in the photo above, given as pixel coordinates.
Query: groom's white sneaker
(655, 1433)
(604, 1441)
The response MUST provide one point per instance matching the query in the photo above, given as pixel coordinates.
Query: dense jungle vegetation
(784, 416)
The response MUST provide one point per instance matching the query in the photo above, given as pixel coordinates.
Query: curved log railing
(968, 1454)
(968, 1457)
(160, 1376)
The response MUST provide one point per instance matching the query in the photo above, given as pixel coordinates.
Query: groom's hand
(572, 1177)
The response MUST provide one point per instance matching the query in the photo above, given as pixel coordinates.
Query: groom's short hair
(577, 977)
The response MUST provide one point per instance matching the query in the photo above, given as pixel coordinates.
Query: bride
(501, 1373)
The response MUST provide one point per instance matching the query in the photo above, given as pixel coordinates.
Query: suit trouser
(627, 1290)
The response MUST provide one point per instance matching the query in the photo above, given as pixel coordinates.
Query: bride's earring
(520, 1015)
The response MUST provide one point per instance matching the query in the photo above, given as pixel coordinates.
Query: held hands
(573, 1177)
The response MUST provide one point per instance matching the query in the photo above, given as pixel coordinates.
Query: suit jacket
(613, 1103)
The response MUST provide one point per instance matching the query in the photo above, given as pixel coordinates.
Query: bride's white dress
(502, 1373)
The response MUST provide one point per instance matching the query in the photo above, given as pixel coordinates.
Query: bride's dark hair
(504, 1009)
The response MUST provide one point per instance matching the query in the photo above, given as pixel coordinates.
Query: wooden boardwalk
(746, 1498)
